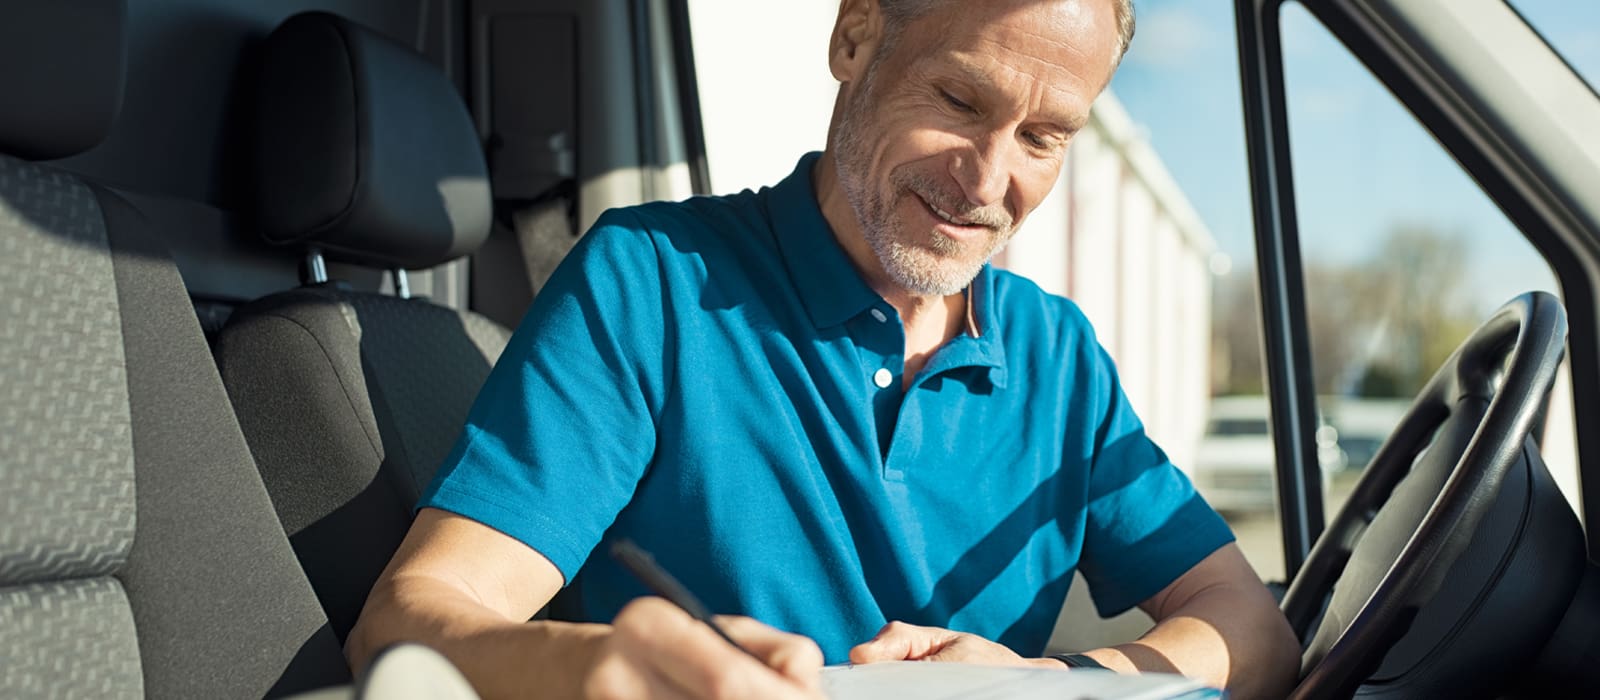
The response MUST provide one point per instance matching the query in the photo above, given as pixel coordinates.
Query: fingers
(972, 649)
(658, 651)
(792, 655)
(899, 641)
(618, 677)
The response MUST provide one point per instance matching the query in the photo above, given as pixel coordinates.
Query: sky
(1362, 163)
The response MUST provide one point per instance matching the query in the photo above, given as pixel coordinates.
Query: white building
(1118, 237)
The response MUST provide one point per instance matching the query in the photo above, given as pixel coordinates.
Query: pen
(644, 567)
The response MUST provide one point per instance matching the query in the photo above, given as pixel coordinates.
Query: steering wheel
(1419, 502)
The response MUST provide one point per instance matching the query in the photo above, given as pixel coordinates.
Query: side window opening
(1404, 254)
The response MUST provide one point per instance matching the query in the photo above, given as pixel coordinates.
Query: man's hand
(899, 641)
(468, 590)
(1216, 624)
(655, 650)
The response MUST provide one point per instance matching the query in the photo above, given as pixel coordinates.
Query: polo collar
(829, 286)
(984, 349)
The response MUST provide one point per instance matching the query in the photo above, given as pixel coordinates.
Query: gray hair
(897, 13)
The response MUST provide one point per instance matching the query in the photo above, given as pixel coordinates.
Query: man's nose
(984, 169)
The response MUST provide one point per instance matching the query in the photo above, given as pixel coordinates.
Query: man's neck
(929, 320)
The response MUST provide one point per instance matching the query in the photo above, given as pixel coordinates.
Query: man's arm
(1216, 623)
(1219, 624)
(468, 590)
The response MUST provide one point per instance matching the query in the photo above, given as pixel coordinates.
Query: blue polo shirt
(714, 380)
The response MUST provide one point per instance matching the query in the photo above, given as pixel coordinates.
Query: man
(820, 408)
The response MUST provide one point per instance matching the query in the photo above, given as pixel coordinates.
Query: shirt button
(878, 316)
(882, 378)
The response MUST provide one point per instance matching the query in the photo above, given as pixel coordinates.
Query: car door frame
(1539, 201)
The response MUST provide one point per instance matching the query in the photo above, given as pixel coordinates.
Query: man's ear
(857, 34)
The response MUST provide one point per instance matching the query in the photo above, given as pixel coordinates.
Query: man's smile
(957, 227)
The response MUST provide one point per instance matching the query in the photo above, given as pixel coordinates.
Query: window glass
(1404, 254)
(1572, 28)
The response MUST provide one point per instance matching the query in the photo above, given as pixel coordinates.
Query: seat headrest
(364, 149)
(62, 75)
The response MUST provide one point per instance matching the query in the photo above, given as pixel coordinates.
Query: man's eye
(956, 103)
(1036, 140)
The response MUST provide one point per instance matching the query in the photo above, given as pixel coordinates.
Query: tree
(1379, 326)
(1236, 336)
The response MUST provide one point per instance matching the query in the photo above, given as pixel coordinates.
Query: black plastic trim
(644, 88)
(694, 129)
(1285, 338)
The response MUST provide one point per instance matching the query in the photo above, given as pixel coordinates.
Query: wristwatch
(1077, 660)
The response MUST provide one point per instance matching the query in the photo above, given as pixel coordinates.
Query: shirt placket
(880, 344)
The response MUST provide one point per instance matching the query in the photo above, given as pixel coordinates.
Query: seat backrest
(351, 400)
(138, 551)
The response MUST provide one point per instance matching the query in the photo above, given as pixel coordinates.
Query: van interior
(256, 259)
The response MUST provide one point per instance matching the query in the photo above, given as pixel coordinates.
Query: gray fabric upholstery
(365, 149)
(139, 554)
(66, 456)
(63, 75)
(66, 450)
(221, 607)
(68, 639)
(428, 362)
(349, 403)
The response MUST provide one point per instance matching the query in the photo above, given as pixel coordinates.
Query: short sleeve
(564, 427)
(1146, 525)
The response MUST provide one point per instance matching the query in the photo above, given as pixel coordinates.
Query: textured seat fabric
(351, 400)
(139, 556)
(66, 466)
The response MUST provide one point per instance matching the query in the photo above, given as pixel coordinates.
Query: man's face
(952, 134)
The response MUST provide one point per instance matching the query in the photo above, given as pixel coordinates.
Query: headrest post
(316, 271)
(402, 283)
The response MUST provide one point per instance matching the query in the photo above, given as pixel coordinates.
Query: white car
(1233, 466)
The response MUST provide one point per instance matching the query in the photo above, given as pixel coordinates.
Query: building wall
(1119, 238)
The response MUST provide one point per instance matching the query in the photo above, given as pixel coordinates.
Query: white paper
(927, 680)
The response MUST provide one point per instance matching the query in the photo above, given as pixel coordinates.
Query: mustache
(936, 192)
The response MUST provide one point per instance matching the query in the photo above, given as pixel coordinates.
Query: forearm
(502, 657)
(1223, 636)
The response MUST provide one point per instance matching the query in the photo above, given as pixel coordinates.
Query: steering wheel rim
(1477, 430)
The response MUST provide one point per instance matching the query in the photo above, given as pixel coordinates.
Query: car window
(1404, 255)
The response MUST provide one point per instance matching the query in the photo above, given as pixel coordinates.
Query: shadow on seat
(139, 555)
